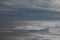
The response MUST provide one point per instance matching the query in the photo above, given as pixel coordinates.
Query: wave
(37, 24)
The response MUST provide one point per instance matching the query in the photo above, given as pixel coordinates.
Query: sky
(30, 9)
(12, 5)
(18, 10)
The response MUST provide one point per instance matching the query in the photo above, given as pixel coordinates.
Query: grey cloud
(5, 8)
(12, 5)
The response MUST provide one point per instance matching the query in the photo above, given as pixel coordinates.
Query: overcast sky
(30, 8)
(11, 5)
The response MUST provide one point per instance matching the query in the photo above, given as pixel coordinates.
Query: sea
(45, 22)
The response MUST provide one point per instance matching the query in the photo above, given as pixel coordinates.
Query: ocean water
(48, 22)
(49, 30)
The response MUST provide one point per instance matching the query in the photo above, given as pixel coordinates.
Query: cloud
(12, 5)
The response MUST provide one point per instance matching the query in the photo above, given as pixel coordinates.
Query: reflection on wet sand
(29, 36)
(14, 36)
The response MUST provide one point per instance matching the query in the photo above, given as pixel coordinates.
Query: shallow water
(33, 36)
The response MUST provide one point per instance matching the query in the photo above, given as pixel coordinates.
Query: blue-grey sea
(36, 25)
